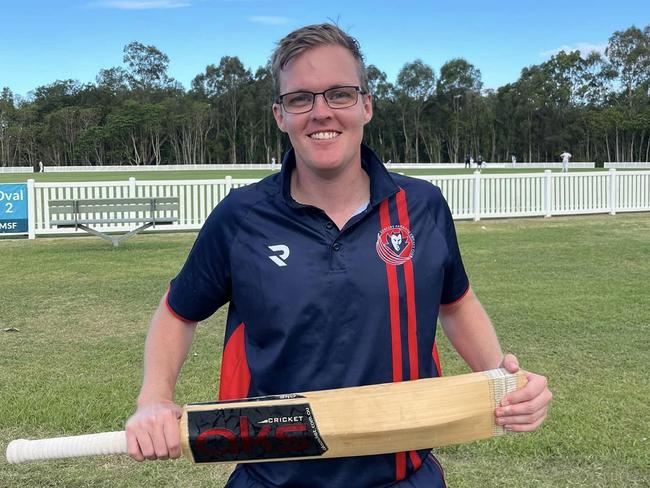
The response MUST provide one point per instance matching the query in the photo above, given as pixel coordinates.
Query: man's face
(324, 139)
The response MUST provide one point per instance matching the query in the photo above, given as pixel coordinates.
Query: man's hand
(523, 410)
(153, 433)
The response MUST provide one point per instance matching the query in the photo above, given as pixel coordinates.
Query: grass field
(213, 174)
(568, 295)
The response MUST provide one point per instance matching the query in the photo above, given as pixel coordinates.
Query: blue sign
(13, 209)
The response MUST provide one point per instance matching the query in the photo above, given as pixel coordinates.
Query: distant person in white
(565, 161)
(40, 167)
(514, 160)
(272, 163)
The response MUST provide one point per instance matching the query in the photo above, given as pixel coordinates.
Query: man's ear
(367, 107)
(279, 116)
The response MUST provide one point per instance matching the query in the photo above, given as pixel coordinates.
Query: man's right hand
(153, 432)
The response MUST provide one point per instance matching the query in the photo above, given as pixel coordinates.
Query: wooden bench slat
(117, 208)
(112, 201)
(62, 209)
(71, 222)
(115, 205)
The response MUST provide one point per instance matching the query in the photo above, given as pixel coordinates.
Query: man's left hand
(523, 410)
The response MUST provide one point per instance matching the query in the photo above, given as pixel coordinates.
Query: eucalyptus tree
(114, 80)
(7, 116)
(384, 128)
(189, 122)
(137, 133)
(414, 90)
(56, 95)
(147, 67)
(629, 54)
(264, 139)
(226, 85)
(458, 92)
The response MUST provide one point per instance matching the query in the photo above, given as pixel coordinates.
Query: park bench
(84, 213)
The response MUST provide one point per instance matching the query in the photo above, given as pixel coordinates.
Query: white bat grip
(105, 443)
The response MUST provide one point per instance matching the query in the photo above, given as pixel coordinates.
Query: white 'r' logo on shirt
(282, 257)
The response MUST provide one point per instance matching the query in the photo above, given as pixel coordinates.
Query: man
(467, 161)
(335, 271)
(565, 161)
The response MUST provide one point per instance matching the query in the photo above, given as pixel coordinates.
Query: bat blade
(357, 421)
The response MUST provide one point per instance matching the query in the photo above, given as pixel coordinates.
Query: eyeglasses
(303, 101)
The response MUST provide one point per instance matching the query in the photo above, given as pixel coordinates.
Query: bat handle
(105, 443)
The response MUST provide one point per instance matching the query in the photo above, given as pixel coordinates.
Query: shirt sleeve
(455, 282)
(204, 283)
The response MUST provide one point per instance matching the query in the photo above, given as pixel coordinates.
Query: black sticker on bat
(250, 433)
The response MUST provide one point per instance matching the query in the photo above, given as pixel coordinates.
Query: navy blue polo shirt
(315, 307)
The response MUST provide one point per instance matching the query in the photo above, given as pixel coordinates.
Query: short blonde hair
(312, 36)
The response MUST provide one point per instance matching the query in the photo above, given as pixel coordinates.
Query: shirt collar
(382, 184)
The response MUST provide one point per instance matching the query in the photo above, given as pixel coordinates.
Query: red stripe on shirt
(235, 374)
(400, 466)
(415, 460)
(436, 358)
(402, 212)
(393, 294)
(411, 317)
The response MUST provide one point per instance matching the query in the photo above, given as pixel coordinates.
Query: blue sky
(45, 40)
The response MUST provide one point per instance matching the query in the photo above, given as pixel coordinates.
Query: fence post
(228, 184)
(132, 194)
(31, 209)
(476, 197)
(132, 187)
(548, 181)
(611, 186)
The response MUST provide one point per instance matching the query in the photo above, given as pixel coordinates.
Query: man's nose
(320, 108)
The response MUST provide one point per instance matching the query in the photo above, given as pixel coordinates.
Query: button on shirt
(313, 307)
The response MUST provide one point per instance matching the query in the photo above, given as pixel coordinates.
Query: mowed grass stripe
(568, 295)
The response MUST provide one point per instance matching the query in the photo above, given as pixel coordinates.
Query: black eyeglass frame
(359, 90)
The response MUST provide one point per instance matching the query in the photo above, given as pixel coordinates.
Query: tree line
(595, 106)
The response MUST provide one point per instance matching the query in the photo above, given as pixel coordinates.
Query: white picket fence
(474, 196)
(630, 165)
(16, 169)
(545, 194)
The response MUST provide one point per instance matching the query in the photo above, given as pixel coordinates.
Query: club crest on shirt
(395, 244)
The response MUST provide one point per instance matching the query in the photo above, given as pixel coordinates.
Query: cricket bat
(357, 421)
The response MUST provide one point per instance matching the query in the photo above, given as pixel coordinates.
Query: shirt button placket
(337, 256)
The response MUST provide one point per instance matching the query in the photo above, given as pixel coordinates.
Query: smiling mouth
(324, 135)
